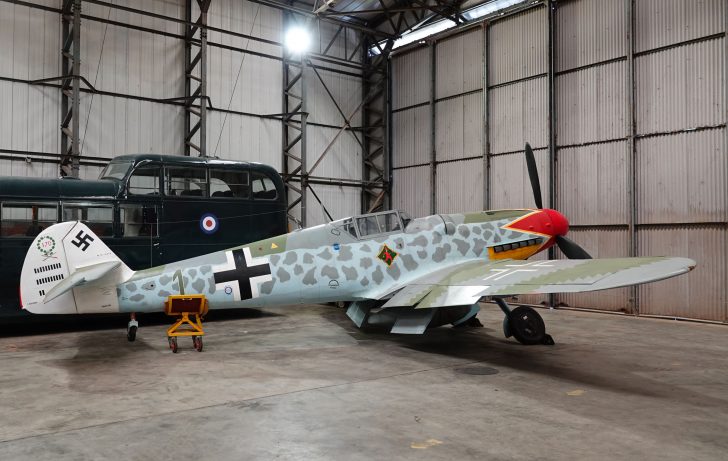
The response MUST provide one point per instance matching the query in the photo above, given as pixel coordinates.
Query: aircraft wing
(466, 283)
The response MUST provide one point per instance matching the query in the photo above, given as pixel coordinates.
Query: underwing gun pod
(399, 273)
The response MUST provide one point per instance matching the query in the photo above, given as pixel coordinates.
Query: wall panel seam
(520, 80)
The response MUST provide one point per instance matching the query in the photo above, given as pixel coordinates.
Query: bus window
(26, 220)
(186, 181)
(115, 170)
(144, 180)
(138, 220)
(263, 187)
(229, 184)
(100, 219)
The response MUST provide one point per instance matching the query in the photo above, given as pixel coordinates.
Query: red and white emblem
(208, 223)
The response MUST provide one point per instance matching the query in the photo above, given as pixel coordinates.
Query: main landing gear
(524, 324)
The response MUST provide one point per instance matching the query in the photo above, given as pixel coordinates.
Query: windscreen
(115, 170)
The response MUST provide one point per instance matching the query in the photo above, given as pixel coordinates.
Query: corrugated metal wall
(412, 132)
(134, 63)
(411, 190)
(30, 51)
(676, 148)
(592, 113)
(240, 83)
(450, 96)
(139, 70)
(680, 152)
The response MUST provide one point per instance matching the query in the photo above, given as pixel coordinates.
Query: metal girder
(376, 124)
(70, 87)
(629, 7)
(441, 11)
(294, 132)
(196, 99)
(310, 14)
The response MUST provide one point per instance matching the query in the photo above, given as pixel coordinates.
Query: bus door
(136, 239)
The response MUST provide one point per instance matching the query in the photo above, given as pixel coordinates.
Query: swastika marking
(82, 240)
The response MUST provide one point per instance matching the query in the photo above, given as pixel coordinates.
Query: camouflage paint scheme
(305, 263)
(439, 261)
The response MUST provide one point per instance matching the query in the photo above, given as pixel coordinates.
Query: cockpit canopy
(375, 224)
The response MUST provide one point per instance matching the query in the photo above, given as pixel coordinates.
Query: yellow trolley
(184, 306)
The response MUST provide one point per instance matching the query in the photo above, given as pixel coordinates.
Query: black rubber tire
(526, 325)
(131, 334)
(197, 342)
(172, 344)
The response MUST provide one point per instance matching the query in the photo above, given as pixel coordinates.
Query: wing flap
(410, 295)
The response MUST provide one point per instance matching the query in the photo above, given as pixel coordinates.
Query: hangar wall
(624, 102)
(136, 62)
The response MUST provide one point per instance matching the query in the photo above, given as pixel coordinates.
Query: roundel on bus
(208, 223)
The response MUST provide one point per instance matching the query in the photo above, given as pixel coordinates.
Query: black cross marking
(82, 240)
(242, 274)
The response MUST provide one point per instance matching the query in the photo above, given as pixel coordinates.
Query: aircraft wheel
(172, 343)
(131, 333)
(197, 342)
(526, 325)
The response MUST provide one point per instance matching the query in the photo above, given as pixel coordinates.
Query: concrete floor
(303, 383)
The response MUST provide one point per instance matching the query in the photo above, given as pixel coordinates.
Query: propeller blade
(571, 249)
(533, 175)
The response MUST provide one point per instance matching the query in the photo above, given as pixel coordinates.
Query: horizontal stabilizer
(81, 276)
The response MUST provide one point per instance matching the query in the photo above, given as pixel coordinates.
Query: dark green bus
(149, 209)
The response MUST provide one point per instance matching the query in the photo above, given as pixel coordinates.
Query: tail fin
(69, 270)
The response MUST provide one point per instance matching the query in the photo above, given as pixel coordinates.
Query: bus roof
(58, 188)
(34, 188)
(169, 159)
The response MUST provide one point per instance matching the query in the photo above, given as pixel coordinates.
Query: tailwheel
(197, 342)
(172, 343)
(131, 333)
(132, 327)
(527, 326)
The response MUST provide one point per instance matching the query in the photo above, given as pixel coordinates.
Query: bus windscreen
(115, 170)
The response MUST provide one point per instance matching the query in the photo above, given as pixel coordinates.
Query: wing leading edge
(466, 283)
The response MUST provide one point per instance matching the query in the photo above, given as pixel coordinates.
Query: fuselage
(334, 262)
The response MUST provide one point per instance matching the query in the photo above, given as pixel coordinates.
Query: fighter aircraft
(406, 274)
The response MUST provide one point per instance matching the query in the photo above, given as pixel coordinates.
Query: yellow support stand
(184, 306)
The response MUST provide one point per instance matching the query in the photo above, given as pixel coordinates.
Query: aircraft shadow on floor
(50, 324)
(486, 347)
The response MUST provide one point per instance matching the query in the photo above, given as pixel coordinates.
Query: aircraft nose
(559, 223)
